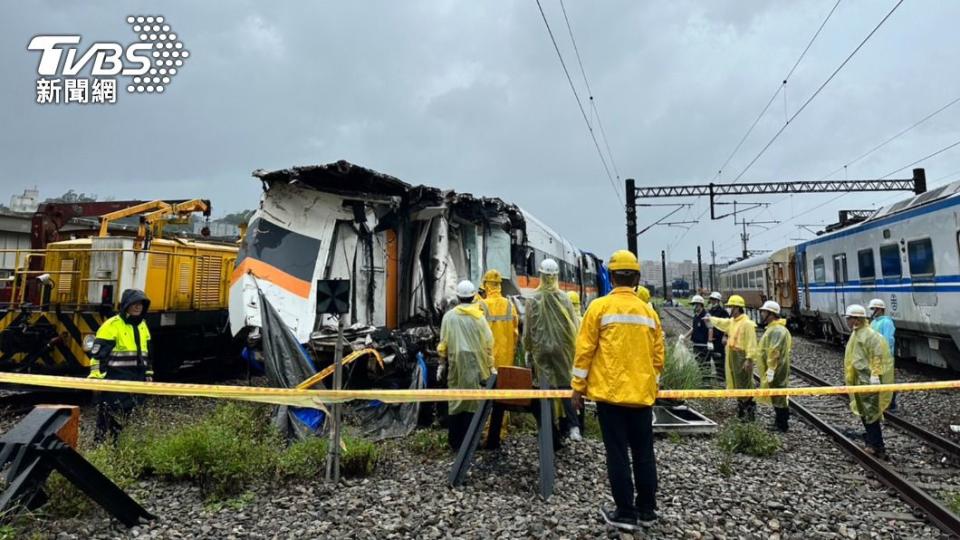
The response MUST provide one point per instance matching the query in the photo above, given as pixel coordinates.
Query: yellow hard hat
(574, 297)
(623, 260)
(492, 276)
(736, 301)
(643, 293)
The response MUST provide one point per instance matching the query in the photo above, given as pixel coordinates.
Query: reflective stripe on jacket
(116, 345)
(620, 350)
(505, 325)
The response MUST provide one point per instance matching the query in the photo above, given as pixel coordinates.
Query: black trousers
(457, 426)
(114, 408)
(628, 433)
(874, 435)
(496, 422)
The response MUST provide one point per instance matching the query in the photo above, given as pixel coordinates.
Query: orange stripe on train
(262, 270)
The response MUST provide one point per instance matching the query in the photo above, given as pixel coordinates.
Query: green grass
(747, 438)
(953, 502)
(681, 371)
(429, 443)
(225, 453)
(591, 426)
(236, 504)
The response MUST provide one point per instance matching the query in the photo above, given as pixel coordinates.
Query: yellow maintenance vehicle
(62, 292)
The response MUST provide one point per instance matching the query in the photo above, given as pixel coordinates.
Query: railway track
(923, 468)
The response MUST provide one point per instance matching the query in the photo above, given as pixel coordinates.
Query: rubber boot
(740, 410)
(782, 419)
(750, 411)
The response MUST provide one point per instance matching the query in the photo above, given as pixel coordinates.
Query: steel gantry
(917, 184)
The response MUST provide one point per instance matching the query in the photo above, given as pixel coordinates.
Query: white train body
(908, 255)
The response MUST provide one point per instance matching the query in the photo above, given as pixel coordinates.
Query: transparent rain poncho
(773, 352)
(866, 355)
(467, 343)
(550, 332)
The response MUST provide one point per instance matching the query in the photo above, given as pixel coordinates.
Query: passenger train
(907, 254)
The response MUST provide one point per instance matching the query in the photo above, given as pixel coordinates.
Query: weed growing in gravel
(747, 438)
(360, 457)
(236, 503)
(681, 371)
(429, 443)
(304, 459)
(222, 453)
(953, 502)
(591, 425)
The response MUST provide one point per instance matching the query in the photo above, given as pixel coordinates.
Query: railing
(77, 296)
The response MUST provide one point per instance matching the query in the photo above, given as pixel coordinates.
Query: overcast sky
(471, 96)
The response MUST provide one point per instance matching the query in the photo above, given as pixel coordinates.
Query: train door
(840, 281)
(803, 278)
(922, 273)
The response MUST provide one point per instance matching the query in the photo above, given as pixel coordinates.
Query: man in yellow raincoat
(772, 357)
(549, 336)
(466, 351)
(504, 322)
(867, 360)
(741, 340)
(620, 355)
(643, 293)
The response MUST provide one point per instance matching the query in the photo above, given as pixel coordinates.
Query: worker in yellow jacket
(504, 322)
(121, 352)
(619, 358)
(741, 341)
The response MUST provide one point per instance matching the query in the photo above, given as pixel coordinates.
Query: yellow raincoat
(741, 341)
(504, 322)
(773, 352)
(620, 350)
(466, 342)
(867, 354)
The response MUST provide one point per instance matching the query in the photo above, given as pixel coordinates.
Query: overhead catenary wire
(593, 101)
(780, 89)
(817, 92)
(576, 95)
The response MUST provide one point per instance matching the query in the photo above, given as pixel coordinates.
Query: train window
(921, 258)
(819, 271)
(890, 261)
(867, 268)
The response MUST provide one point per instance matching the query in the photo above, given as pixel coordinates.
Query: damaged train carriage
(404, 248)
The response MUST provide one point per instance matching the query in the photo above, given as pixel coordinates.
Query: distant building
(26, 203)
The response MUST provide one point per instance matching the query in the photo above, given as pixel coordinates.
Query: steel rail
(932, 508)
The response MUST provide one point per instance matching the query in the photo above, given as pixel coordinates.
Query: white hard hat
(877, 303)
(856, 310)
(549, 267)
(466, 289)
(771, 306)
(697, 299)
(716, 296)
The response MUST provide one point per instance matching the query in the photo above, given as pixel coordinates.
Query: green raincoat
(550, 332)
(467, 343)
(773, 352)
(867, 354)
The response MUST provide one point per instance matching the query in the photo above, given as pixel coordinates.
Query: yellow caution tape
(315, 398)
(327, 371)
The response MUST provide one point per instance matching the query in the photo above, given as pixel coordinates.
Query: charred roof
(341, 176)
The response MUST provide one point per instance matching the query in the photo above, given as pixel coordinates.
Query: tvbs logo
(149, 64)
